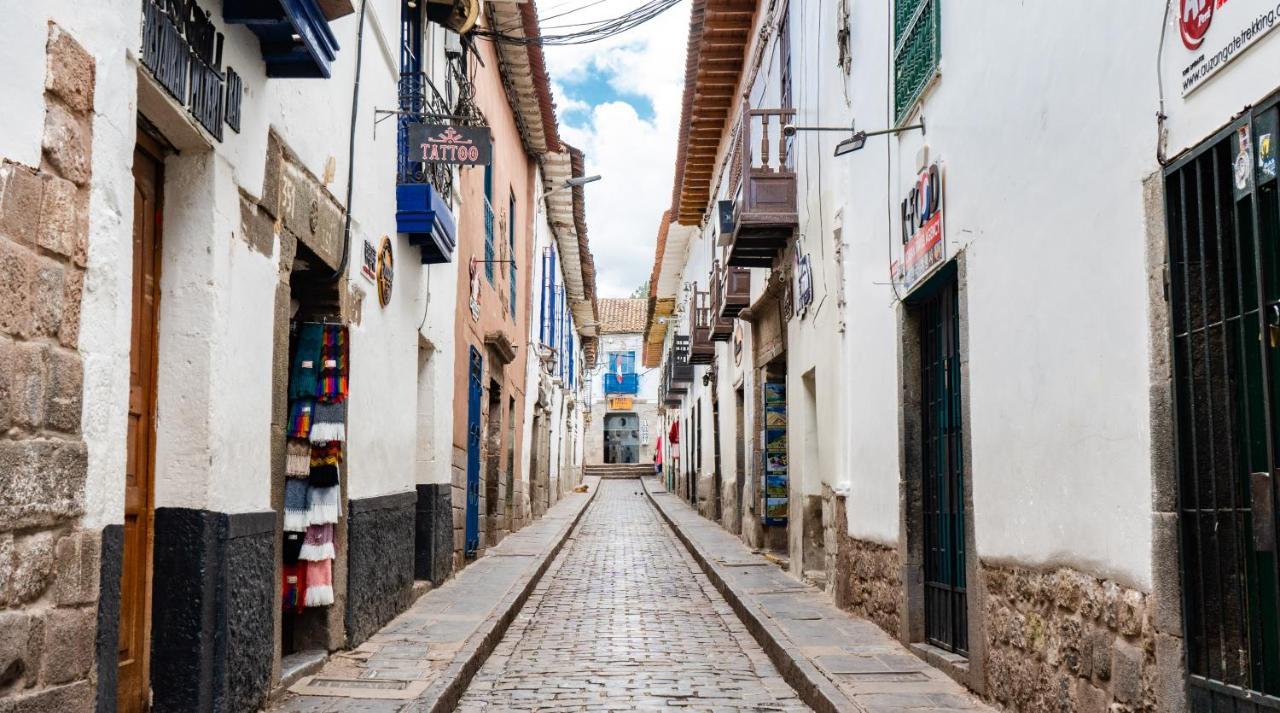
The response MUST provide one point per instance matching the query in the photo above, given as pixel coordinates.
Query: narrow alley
(624, 620)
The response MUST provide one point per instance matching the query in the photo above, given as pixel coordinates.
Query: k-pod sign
(924, 246)
(1212, 33)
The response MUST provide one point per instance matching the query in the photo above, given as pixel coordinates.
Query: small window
(916, 51)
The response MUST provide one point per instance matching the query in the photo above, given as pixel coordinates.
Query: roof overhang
(565, 212)
(524, 71)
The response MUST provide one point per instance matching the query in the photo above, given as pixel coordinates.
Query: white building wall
(214, 407)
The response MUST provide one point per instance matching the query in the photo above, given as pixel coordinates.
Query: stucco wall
(215, 315)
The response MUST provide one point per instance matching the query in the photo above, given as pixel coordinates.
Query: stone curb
(815, 689)
(443, 695)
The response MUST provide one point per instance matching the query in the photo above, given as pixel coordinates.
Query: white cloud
(635, 156)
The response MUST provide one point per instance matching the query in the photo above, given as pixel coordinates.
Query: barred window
(916, 50)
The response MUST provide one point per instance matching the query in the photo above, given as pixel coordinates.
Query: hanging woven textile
(293, 542)
(297, 460)
(305, 370)
(319, 584)
(329, 422)
(318, 544)
(332, 386)
(300, 413)
(293, 585)
(325, 458)
(323, 505)
(297, 506)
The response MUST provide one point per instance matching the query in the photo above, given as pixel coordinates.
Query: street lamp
(571, 183)
(857, 139)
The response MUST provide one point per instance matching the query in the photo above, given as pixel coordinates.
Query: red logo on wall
(1194, 17)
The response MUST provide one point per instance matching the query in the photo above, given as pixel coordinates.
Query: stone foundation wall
(380, 562)
(1066, 641)
(50, 565)
(867, 579)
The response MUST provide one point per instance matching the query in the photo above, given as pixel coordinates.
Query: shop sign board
(369, 265)
(924, 245)
(619, 403)
(451, 145)
(1213, 33)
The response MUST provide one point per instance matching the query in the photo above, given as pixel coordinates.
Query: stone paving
(625, 620)
(411, 662)
(851, 661)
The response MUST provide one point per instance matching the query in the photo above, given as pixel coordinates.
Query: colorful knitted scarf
(328, 453)
(293, 585)
(297, 505)
(300, 413)
(329, 422)
(332, 386)
(306, 360)
(318, 544)
(323, 505)
(319, 583)
(297, 460)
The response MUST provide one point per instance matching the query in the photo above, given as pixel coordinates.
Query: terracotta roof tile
(622, 315)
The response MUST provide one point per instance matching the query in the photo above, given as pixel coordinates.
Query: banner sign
(924, 246)
(1212, 33)
(452, 145)
(620, 403)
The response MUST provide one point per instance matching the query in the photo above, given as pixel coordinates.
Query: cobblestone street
(625, 620)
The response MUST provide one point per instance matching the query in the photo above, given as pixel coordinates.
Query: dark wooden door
(135, 581)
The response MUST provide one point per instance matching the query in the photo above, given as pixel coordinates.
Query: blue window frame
(488, 223)
(511, 244)
(544, 311)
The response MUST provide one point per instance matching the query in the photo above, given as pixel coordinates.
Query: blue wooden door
(473, 455)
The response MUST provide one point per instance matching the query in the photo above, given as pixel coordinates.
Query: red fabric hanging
(674, 436)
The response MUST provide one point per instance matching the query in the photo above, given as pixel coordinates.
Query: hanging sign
(804, 283)
(369, 266)
(1212, 33)
(450, 145)
(386, 272)
(924, 246)
(619, 403)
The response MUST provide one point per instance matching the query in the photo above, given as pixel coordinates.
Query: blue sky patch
(595, 89)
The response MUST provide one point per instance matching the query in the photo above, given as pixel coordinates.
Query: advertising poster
(775, 453)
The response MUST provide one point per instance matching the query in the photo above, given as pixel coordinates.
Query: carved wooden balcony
(735, 290)
(701, 349)
(764, 215)
(721, 326)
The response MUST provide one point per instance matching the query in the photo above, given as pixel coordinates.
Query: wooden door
(135, 581)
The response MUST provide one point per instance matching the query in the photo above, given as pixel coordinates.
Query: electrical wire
(594, 31)
(1160, 115)
(351, 153)
(888, 150)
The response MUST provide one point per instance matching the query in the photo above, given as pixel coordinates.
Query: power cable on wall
(351, 151)
(888, 150)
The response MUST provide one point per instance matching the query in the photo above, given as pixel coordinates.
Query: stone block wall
(50, 566)
(1063, 640)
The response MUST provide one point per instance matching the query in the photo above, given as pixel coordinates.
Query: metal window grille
(916, 50)
(945, 598)
(1223, 226)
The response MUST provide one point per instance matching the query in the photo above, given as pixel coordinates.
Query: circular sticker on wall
(386, 271)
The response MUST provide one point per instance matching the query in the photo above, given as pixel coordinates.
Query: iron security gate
(1224, 289)
(474, 385)
(946, 615)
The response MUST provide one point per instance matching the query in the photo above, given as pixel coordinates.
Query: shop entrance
(135, 581)
(621, 438)
(945, 599)
(1223, 225)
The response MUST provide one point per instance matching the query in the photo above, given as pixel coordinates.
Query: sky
(619, 101)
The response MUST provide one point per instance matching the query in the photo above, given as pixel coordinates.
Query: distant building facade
(623, 425)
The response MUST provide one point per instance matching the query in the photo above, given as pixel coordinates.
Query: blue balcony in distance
(626, 383)
(423, 215)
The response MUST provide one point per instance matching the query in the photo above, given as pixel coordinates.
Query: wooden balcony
(721, 326)
(735, 291)
(764, 215)
(701, 349)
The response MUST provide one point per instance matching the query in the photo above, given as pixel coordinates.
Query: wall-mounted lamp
(857, 139)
